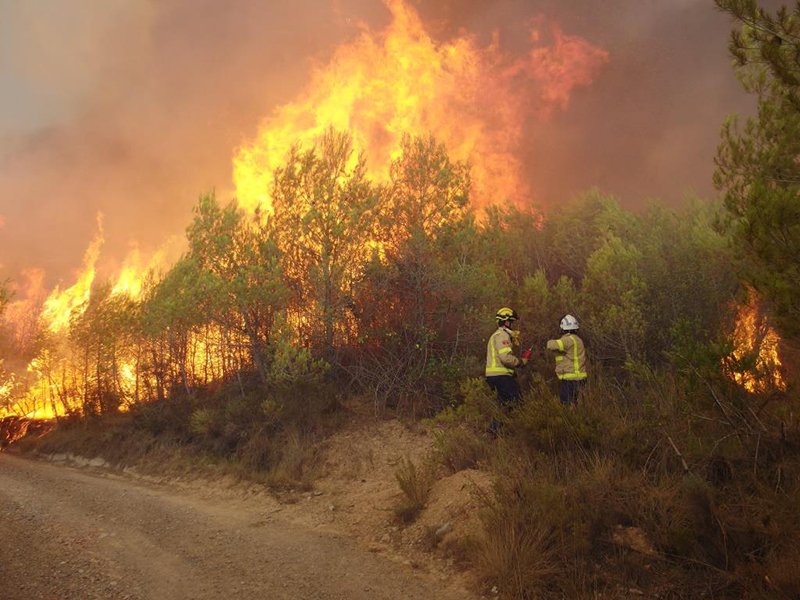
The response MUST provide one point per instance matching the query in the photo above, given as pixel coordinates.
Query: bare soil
(358, 481)
(92, 533)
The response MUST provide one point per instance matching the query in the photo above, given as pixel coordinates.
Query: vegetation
(415, 483)
(242, 349)
(757, 162)
(671, 475)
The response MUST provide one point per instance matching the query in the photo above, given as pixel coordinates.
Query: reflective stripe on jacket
(499, 357)
(570, 356)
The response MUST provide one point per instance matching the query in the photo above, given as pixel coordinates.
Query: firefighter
(501, 362)
(570, 360)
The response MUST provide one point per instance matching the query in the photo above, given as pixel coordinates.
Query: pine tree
(758, 164)
(325, 209)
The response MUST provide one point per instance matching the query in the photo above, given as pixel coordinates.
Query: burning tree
(325, 212)
(758, 167)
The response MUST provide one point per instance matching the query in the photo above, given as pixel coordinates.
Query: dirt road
(71, 534)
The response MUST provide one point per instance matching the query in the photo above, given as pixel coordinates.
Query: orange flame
(60, 306)
(134, 272)
(383, 85)
(753, 337)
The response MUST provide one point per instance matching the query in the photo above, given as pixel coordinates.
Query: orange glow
(23, 313)
(752, 336)
(6, 387)
(60, 306)
(134, 272)
(475, 100)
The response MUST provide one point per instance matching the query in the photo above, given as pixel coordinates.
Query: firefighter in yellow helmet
(570, 360)
(500, 360)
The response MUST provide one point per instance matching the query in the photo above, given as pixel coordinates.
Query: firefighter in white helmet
(500, 360)
(570, 360)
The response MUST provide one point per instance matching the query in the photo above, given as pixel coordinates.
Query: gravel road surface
(73, 534)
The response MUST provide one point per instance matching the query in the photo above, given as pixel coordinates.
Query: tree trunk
(255, 349)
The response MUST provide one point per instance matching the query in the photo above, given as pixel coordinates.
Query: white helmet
(569, 323)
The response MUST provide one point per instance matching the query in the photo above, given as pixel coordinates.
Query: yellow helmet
(506, 314)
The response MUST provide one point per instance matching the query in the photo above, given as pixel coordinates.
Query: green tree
(422, 307)
(428, 205)
(235, 275)
(171, 310)
(573, 234)
(757, 164)
(102, 336)
(325, 210)
(613, 295)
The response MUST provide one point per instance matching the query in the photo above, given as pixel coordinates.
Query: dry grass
(459, 448)
(415, 484)
(225, 427)
(718, 519)
(518, 557)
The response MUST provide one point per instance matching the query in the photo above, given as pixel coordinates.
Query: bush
(415, 483)
(544, 424)
(459, 448)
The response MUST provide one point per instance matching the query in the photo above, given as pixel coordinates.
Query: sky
(133, 108)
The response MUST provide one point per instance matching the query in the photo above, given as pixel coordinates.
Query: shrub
(517, 548)
(415, 483)
(545, 425)
(459, 448)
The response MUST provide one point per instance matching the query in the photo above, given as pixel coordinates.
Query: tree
(423, 301)
(428, 205)
(325, 209)
(758, 165)
(5, 296)
(6, 382)
(235, 273)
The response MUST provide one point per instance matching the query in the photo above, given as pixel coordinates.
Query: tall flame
(400, 81)
(753, 337)
(476, 100)
(134, 271)
(61, 305)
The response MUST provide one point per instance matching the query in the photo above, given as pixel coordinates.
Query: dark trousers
(507, 390)
(569, 389)
(508, 395)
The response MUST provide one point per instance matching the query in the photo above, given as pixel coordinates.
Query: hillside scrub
(355, 293)
(704, 474)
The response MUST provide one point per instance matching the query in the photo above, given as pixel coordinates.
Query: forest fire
(756, 341)
(383, 85)
(62, 304)
(132, 276)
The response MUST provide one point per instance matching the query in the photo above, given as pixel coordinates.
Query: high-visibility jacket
(500, 359)
(570, 356)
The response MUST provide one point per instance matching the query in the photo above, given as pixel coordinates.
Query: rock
(633, 538)
(318, 493)
(495, 591)
(97, 462)
(444, 530)
(331, 507)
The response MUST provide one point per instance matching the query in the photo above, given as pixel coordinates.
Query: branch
(678, 452)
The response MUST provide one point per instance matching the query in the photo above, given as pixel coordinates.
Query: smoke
(132, 109)
(154, 98)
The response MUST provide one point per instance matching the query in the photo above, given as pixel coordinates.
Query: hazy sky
(134, 107)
